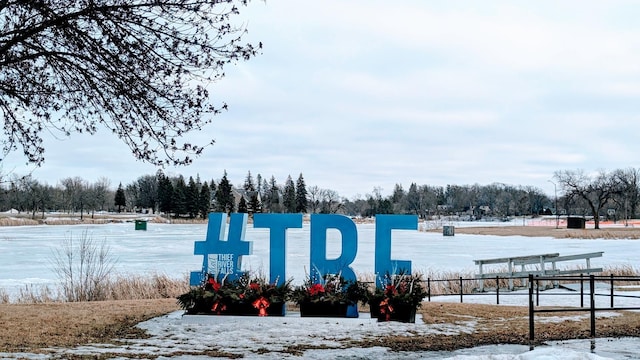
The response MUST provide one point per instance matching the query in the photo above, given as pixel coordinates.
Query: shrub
(83, 268)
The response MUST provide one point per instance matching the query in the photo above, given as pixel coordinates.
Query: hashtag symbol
(215, 245)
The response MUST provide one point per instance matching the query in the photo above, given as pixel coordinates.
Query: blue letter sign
(319, 265)
(278, 225)
(222, 257)
(384, 264)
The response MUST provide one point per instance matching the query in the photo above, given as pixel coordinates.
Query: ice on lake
(26, 259)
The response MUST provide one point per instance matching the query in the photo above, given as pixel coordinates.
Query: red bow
(214, 284)
(316, 289)
(386, 309)
(261, 304)
(218, 307)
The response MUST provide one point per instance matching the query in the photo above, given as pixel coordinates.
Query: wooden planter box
(374, 309)
(406, 314)
(323, 309)
(241, 309)
(247, 309)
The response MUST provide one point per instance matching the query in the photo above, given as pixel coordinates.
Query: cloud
(362, 94)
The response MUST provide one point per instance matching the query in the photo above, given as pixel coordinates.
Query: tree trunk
(596, 216)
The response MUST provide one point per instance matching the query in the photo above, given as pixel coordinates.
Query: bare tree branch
(139, 68)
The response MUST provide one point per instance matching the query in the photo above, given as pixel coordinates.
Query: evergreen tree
(289, 196)
(248, 183)
(213, 186)
(180, 197)
(165, 194)
(242, 205)
(225, 201)
(259, 185)
(204, 201)
(120, 200)
(273, 196)
(192, 203)
(301, 195)
(250, 192)
(265, 196)
(255, 205)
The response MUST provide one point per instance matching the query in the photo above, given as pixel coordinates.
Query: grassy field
(33, 327)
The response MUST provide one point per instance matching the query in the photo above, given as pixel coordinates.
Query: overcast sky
(357, 95)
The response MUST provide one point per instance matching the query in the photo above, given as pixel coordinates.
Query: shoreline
(605, 232)
(536, 227)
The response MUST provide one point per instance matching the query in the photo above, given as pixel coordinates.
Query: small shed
(576, 223)
(141, 224)
(448, 230)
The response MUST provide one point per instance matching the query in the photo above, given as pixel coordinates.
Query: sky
(364, 95)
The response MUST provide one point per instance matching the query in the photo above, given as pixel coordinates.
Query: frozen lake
(26, 252)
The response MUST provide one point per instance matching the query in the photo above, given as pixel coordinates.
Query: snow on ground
(176, 337)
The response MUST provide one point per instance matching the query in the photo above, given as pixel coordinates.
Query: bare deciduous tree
(628, 198)
(596, 191)
(83, 268)
(139, 68)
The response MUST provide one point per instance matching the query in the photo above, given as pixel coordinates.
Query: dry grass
(493, 324)
(136, 287)
(441, 282)
(620, 270)
(551, 231)
(34, 327)
(448, 282)
(17, 221)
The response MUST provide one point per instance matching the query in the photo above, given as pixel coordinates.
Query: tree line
(611, 194)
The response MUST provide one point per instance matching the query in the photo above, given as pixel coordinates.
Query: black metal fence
(458, 285)
(586, 288)
(534, 294)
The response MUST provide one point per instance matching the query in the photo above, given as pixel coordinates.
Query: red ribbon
(316, 289)
(261, 304)
(386, 309)
(218, 307)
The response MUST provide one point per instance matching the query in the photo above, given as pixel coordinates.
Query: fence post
(581, 290)
(611, 290)
(537, 291)
(593, 305)
(429, 288)
(461, 289)
(531, 313)
(497, 290)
